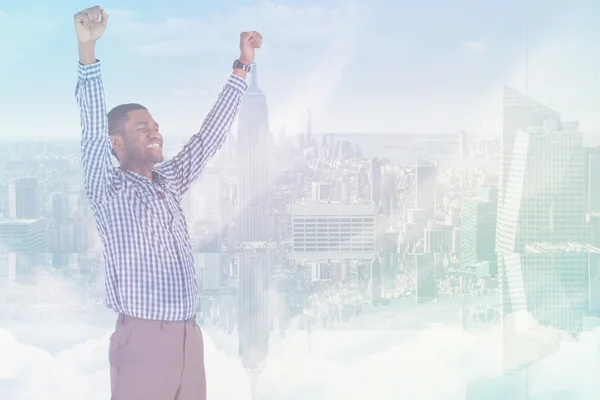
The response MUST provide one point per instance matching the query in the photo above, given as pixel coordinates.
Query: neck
(140, 170)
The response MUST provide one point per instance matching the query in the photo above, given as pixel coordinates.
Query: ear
(117, 143)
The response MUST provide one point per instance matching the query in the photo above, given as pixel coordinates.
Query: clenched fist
(248, 42)
(90, 24)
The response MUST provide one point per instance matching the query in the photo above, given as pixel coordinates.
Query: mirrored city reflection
(311, 232)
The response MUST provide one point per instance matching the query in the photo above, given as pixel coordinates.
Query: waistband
(128, 320)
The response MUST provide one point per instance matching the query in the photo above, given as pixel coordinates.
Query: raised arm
(186, 166)
(99, 177)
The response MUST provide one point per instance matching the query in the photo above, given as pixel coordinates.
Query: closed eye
(146, 129)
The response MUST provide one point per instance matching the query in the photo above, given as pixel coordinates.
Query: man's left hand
(249, 41)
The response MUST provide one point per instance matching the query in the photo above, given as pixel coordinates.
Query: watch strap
(242, 66)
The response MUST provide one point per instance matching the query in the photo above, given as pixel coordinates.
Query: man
(156, 350)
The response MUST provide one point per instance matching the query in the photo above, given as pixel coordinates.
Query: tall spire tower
(253, 87)
(526, 55)
(255, 214)
(254, 228)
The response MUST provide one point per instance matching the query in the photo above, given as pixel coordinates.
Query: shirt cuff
(237, 83)
(88, 71)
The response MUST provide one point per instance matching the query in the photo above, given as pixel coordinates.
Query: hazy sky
(376, 65)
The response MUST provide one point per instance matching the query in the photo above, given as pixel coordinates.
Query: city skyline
(421, 255)
(462, 265)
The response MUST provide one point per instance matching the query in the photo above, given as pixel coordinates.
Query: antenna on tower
(254, 75)
(526, 51)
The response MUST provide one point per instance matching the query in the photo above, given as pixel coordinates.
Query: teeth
(153, 145)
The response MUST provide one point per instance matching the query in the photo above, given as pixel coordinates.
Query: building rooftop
(564, 247)
(16, 221)
(333, 202)
(245, 246)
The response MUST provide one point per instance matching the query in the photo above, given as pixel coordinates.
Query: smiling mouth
(153, 146)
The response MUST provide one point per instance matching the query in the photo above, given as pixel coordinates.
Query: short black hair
(118, 116)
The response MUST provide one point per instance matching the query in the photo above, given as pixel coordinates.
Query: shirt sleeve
(186, 166)
(99, 176)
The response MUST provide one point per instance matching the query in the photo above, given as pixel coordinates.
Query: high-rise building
(592, 180)
(60, 207)
(519, 112)
(425, 178)
(321, 191)
(23, 235)
(437, 238)
(8, 270)
(254, 228)
(547, 280)
(425, 285)
(478, 229)
(203, 201)
(544, 196)
(540, 229)
(593, 285)
(388, 192)
(23, 198)
(253, 309)
(255, 220)
(308, 128)
(207, 251)
(375, 181)
(334, 230)
(344, 150)
(25, 241)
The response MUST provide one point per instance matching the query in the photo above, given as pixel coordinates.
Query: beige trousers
(156, 360)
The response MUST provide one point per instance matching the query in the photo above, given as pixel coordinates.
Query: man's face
(142, 143)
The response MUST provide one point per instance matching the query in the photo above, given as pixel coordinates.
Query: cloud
(475, 46)
(168, 48)
(305, 51)
(118, 15)
(313, 90)
(279, 24)
(429, 363)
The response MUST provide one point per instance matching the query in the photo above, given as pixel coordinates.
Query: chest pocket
(161, 210)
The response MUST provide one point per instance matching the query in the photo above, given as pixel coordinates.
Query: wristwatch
(243, 67)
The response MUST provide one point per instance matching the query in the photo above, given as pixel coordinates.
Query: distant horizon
(55, 139)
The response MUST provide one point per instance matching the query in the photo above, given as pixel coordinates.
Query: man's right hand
(90, 24)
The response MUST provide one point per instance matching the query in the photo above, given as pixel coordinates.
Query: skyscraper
(308, 130)
(375, 181)
(253, 328)
(203, 201)
(519, 112)
(60, 207)
(540, 228)
(426, 174)
(478, 229)
(592, 179)
(254, 229)
(254, 222)
(23, 198)
(544, 196)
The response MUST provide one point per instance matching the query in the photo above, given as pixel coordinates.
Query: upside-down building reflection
(253, 231)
